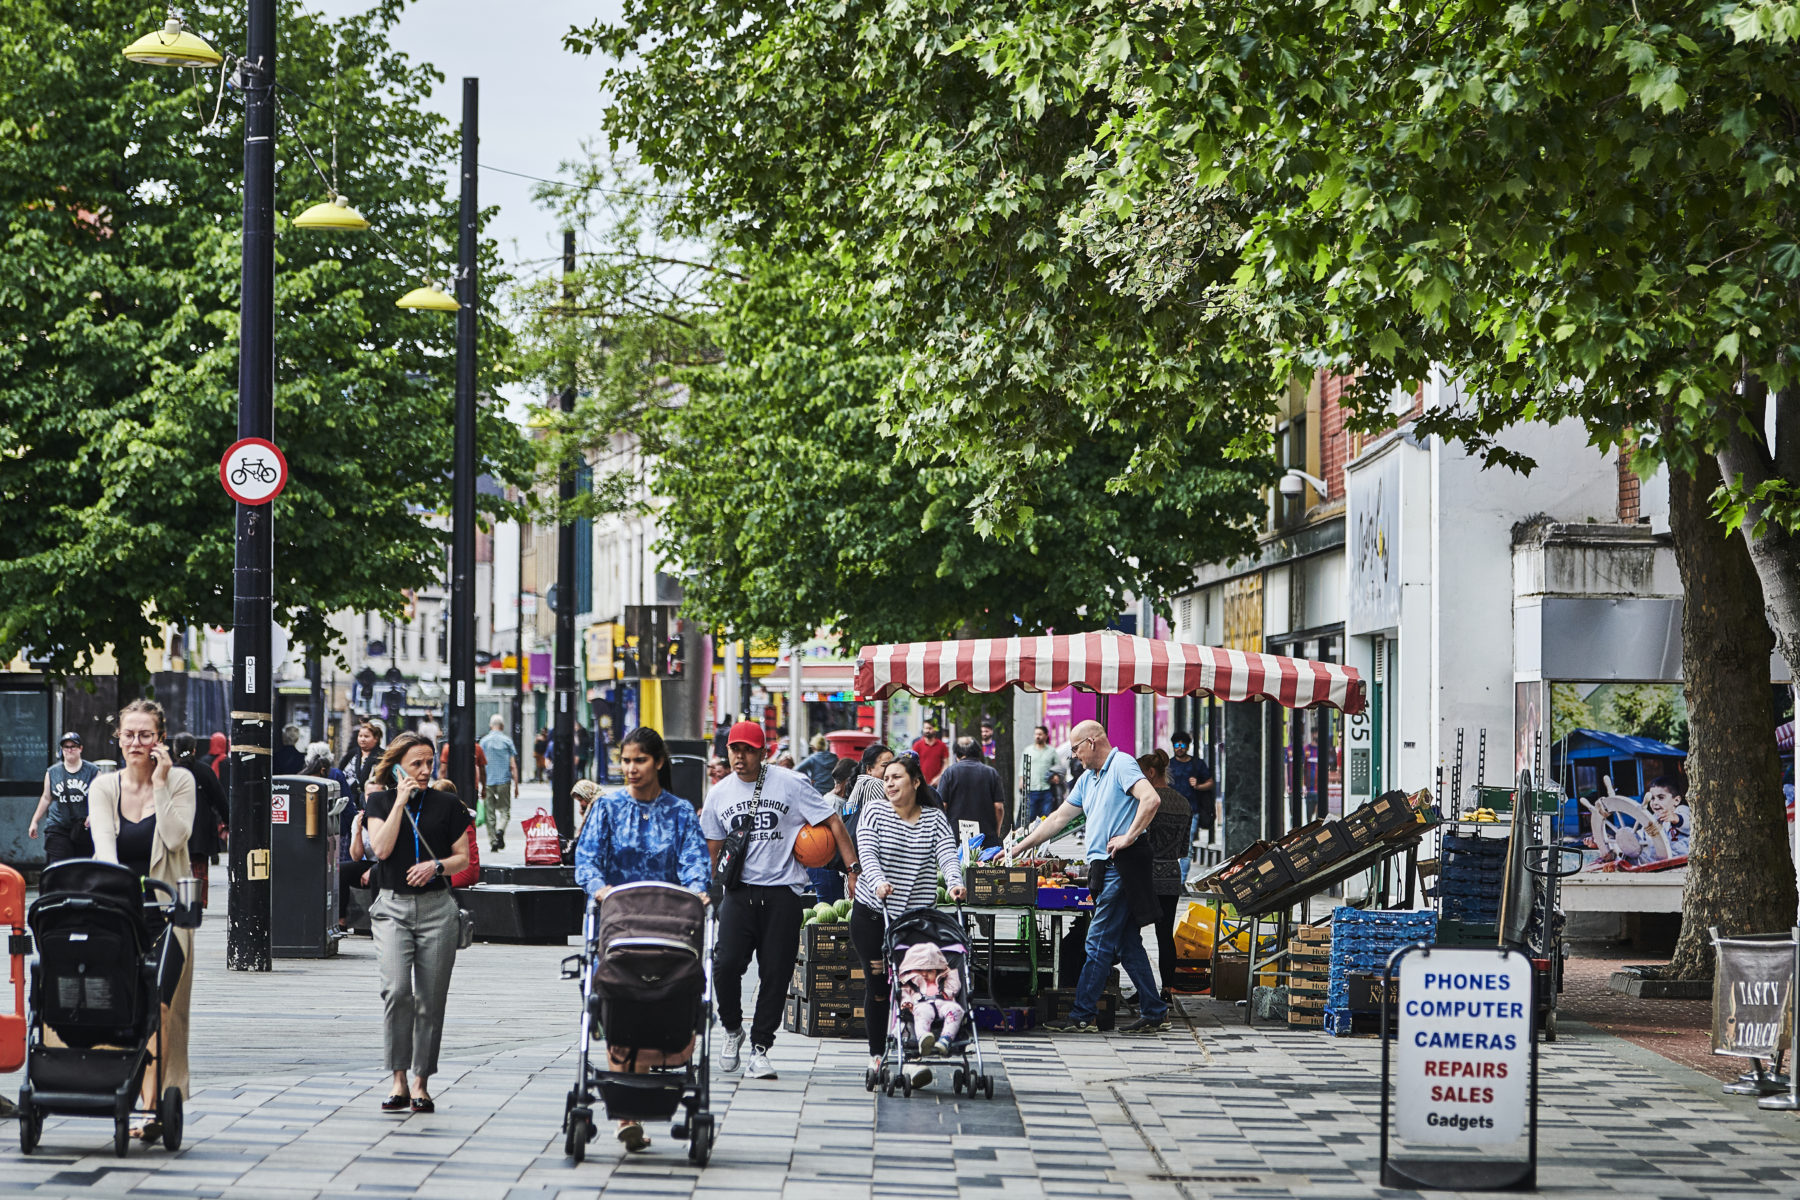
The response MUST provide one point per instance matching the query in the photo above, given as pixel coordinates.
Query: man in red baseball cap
(761, 916)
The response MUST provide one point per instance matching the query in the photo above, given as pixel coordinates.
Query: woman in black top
(211, 811)
(418, 838)
(1168, 834)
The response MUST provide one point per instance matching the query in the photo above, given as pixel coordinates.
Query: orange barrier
(12, 912)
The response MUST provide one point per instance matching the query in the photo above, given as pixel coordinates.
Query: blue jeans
(827, 883)
(1039, 804)
(1112, 939)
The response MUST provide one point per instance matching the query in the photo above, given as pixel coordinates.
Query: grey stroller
(947, 933)
(646, 988)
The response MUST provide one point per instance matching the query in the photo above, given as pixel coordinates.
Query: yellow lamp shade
(429, 299)
(335, 213)
(173, 46)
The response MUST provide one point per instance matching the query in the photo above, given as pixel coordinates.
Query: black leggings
(868, 929)
(1165, 939)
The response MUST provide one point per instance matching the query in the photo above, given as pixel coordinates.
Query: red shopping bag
(542, 848)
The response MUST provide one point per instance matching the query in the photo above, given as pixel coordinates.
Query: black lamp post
(462, 504)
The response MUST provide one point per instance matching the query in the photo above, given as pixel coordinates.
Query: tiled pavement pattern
(288, 1080)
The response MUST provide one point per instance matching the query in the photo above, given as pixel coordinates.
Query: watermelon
(824, 912)
(843, 910)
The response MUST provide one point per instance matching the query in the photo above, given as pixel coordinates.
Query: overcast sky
(538, 101)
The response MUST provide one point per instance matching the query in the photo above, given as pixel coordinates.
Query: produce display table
(992, 936)
(1279, 904)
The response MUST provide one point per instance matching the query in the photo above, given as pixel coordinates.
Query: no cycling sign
(253, 471)
(1464, 1067)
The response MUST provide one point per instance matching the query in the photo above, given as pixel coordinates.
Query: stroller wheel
(987, 1086)
(169, 1113)
(31, 1128)
(121, 1135)
(700, 1139)
(870, 1079)
(905, 1084)
(579, 1132)
(956, 1080)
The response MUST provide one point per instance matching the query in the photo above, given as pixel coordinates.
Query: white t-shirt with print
(789, 801)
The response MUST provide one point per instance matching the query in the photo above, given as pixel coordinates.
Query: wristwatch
(439, 864)
(854, 868)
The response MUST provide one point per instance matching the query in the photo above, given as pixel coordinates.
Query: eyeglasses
(138, 735)
(1092, 737)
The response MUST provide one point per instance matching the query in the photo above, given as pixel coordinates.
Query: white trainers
(759, 1066)
(732, 1051)
(918, 1074)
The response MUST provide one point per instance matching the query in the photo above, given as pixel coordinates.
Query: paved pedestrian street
(288, 1080)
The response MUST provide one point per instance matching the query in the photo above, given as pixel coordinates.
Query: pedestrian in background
(62, 810)
(141, 816)
(1168, 836)
(902, 845)
(359, 761)
(817, 765)
(988, 744)
(933, 752)
(418, 838)
(289, 758)
(212, 812)
(540, 747)
(1193, 778)
(973, 793)
(583, 744)
(502, 776)
(1038, 764)
(761, 915)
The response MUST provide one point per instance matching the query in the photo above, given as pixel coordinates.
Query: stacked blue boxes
(1361, 941)
(1471, 874)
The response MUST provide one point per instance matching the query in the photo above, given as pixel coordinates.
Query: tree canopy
(119, 283)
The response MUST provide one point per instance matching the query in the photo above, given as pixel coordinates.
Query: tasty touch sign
(1463, 1054)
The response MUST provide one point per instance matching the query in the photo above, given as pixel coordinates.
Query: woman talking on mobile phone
(419, 838)
(141, 816)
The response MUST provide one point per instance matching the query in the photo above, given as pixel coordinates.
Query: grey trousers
(415, 939)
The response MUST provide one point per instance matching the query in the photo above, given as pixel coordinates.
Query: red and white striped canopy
(1105, 662)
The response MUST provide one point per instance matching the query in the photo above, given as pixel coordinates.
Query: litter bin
(303, 866)
(687, 767)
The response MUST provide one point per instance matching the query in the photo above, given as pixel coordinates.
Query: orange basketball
(814, 846)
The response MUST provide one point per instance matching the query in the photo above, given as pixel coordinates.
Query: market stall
(1104, 662)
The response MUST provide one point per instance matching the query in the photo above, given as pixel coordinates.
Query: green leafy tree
(867, 135)
(120, 197)
(787, 507)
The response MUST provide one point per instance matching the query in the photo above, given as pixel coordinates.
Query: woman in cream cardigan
(141, 816)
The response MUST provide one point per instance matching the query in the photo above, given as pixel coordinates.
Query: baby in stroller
(928, 993)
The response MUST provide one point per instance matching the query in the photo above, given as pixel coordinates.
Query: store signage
(1753, 990)
(1462, 1060)
(1374, 526)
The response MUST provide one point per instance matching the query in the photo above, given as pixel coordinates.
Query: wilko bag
(542, 849)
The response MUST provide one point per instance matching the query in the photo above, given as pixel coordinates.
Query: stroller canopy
(925, 925)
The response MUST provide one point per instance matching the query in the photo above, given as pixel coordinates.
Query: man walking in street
(1193, 778)
(1120, 804)
(933, 752)
(818, 765)
(762, 914)
(1040, 762)
(501, 778)
(65, 803)
(973, 793)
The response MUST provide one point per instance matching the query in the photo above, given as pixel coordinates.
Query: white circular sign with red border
(253, 471)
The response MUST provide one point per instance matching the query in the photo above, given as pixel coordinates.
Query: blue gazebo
(1580, 760)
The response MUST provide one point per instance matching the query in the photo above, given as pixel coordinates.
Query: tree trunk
(1740, 876)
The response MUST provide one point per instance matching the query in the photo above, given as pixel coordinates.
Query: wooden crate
(1304, 1018)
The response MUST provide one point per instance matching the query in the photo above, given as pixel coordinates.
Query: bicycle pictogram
(254, 468)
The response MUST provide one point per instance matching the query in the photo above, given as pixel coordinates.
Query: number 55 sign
(253, 471)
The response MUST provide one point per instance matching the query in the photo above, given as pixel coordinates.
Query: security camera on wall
(1291, 485)
(1295, 480)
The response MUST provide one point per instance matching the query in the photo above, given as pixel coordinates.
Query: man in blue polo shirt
(1119, 803)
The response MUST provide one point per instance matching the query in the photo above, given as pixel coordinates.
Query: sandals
(149, 1131)
(398, 1102)
(631, 1136)
(423, 1104)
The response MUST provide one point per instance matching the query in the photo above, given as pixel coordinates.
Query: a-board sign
(278, 810)
(1462, 1057)
(1753, 991)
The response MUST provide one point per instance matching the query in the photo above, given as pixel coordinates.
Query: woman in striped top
(901, 846)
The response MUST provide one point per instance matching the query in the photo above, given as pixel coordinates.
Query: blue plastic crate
(1337, 1021)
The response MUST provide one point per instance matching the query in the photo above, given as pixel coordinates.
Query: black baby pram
(646, 988)
(106, 956)
(947, 933)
